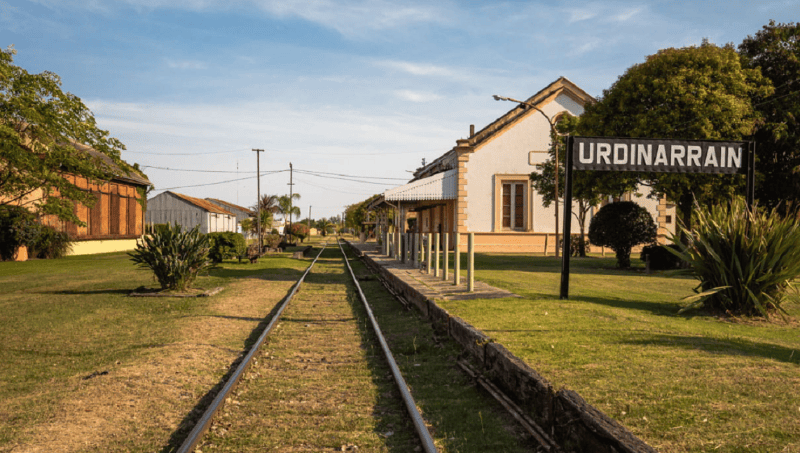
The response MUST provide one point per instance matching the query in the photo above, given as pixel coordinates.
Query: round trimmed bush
(622, 226)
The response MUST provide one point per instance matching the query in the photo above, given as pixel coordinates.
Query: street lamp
(554, 133)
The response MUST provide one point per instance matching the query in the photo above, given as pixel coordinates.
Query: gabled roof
(562, 85)
(202, 204)
(225, 204)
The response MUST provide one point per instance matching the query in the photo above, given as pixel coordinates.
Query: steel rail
(204, 423)
(419, 424)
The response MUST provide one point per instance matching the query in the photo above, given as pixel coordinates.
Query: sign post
(651, 155)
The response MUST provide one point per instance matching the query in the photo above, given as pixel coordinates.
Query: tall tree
(694, 93)
(775, 50)
(588, 187)
(41, 130)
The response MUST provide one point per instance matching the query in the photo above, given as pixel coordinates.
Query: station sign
(656, 155)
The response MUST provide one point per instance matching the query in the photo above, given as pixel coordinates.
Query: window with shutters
(511, 207)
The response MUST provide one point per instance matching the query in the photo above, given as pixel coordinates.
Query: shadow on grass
(74, 292)
(656, 308)
(550, 264)
(719, 346)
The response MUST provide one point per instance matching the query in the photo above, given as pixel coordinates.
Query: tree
(287, 209)
(41, 130)
(775, 50)
(300, 230)
(697, 93)
(622, 226)
(588, 187)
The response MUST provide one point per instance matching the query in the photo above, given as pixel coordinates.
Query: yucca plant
(745, 259)
(174, 256)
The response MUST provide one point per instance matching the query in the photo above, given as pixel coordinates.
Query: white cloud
(416, 96)
(626, 15)
(579, 15)
(186, 64)
(351, 18)
(416, 68)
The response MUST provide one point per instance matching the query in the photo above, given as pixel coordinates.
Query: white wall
(510, 154)
(166, 208)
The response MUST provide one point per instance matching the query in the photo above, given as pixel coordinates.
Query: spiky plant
(745, 259)
(174, 256)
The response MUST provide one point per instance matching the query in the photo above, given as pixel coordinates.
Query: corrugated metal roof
(203, 204)
(225, 204)
(441, 186)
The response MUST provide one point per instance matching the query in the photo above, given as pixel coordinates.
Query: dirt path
(318, 385)
(140, 405)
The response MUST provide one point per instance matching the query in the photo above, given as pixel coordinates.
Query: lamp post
(553, 133)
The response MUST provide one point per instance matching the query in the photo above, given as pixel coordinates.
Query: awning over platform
(441, 186)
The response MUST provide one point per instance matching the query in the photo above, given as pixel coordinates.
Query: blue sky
(360, 88)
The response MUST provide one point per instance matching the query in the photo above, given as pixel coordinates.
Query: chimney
(471, 130)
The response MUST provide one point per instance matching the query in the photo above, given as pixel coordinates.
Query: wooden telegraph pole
(258, 199)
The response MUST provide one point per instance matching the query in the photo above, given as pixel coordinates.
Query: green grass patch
(61, 320)
(691, 382)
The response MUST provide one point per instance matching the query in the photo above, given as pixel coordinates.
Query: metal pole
(567, 221)
(751, 175)
(258, 199)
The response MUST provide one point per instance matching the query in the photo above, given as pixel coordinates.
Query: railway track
(312, 380)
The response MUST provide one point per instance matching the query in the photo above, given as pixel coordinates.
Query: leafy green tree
(588, 187)
(40, 126)
(696, 93)
(622, 226)
(299, 230)
(288, 209)
(775, 50)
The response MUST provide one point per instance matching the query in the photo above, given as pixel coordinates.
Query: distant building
(240, 212)
(188, 212)
(117, 218)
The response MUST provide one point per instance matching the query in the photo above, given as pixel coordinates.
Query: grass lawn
(680, 382)
(62, 320)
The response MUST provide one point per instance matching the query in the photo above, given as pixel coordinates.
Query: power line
(351, 176)
(221, 182)
(187, 154)
(343, 179)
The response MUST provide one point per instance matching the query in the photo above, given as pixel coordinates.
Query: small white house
(189, 212)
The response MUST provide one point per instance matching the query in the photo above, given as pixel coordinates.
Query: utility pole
(291, 200)
(309, 220)
(258, 199)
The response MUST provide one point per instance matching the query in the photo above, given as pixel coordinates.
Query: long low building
(188, 212)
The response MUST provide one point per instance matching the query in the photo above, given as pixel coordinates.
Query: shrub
(223, 245)
(299, 230)
(15, 229)
(272, 240)
(660, 257)
(622, 226)
(745, 260)
(49, 243)
(174, 256)
(19, 227)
